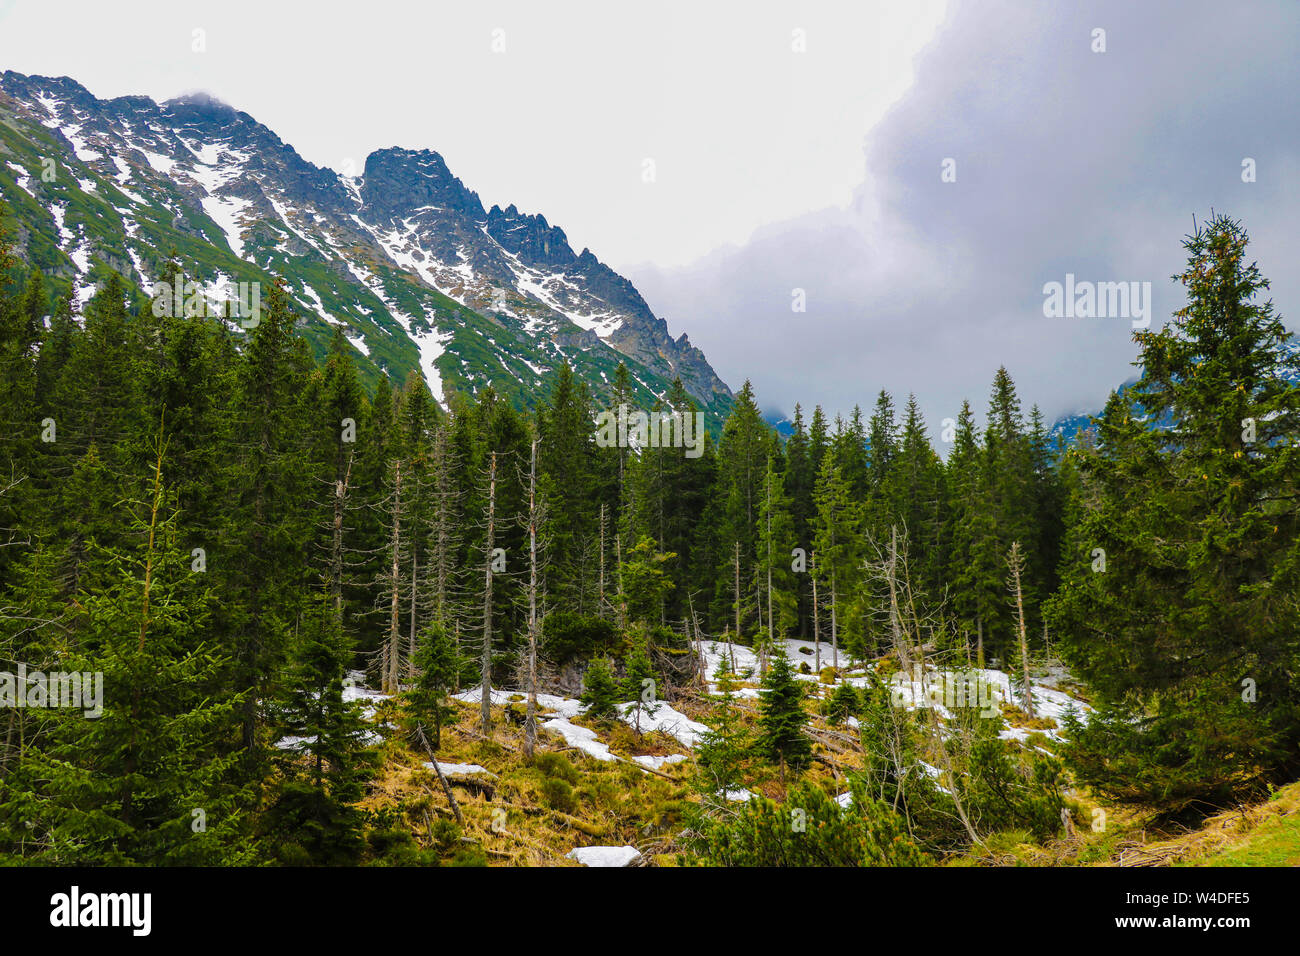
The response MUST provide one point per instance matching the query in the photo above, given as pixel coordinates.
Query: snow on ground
(22, 178)
(367, 738)
(583, 738)
(283, 213)
(658, 763)
(59, 211)
(985, 688)
(159, 162)
(402, 246)
(359, 344)
(316, 303)
(604, 855)
(463, 768)
(225, 212)
(354, 689)
(432, 345)
(547, 704)
(86, 155)
(687, 732)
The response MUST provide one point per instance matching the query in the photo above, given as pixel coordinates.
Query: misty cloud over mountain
(1068, 161)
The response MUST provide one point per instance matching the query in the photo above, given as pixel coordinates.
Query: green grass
(1275, 842)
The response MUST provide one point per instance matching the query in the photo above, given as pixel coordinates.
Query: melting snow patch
(583, 738)
(688, 732)
(658, 763)
(354, 689)
(225, 212)
(79, 145)
(562, 706)
(604, 855)
(22, 179)
(432, 345)
(463, 768)
(159, 162)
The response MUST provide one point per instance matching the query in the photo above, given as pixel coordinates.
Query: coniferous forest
(833, 647)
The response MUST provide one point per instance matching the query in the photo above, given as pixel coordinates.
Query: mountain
(404, 257)
(779, 423)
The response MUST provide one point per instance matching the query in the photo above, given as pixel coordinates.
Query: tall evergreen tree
(1175, 605)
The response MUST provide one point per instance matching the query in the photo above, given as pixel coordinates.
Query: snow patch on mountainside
(226, 211)
(432, 345)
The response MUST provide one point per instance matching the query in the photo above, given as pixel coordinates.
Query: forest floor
(601, 793)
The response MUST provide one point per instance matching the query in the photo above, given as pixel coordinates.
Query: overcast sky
(741, 130)
(1067, 161)
(795, 146)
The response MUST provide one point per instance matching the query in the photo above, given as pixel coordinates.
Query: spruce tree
(1175, 604)
(313, 817)
(137, 773)
(640, 679)
(781, 736)
(599, 689)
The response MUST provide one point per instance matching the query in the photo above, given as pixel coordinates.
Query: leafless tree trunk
(1016, 562)
(446, 787)
(530, 724)
(410, 638)
(700, 670)
(336, 540)
(394, 584)
(737, 565)
(600, 599)
(622, 598)
(835, 624)
(817, 621)
(485, 668)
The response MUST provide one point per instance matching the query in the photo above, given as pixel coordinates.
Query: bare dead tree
(530, 723)
(433, 759)
(341, 488)
(622, 597)
(393, 651)
(600, 598)
(816, 608)
(485, 663)
(1016, 565)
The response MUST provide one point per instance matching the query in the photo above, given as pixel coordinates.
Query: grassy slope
(1267, 834)
(598, 803)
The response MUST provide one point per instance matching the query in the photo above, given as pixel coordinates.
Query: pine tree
(313, 817)
(720, 753)
(782, 717)
(640, 680)
(599, 689)
(1175, 605)
(836, 543)
(118, 779)
(438, 663)
(810, 829)
(645, 581)
(775, 542)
